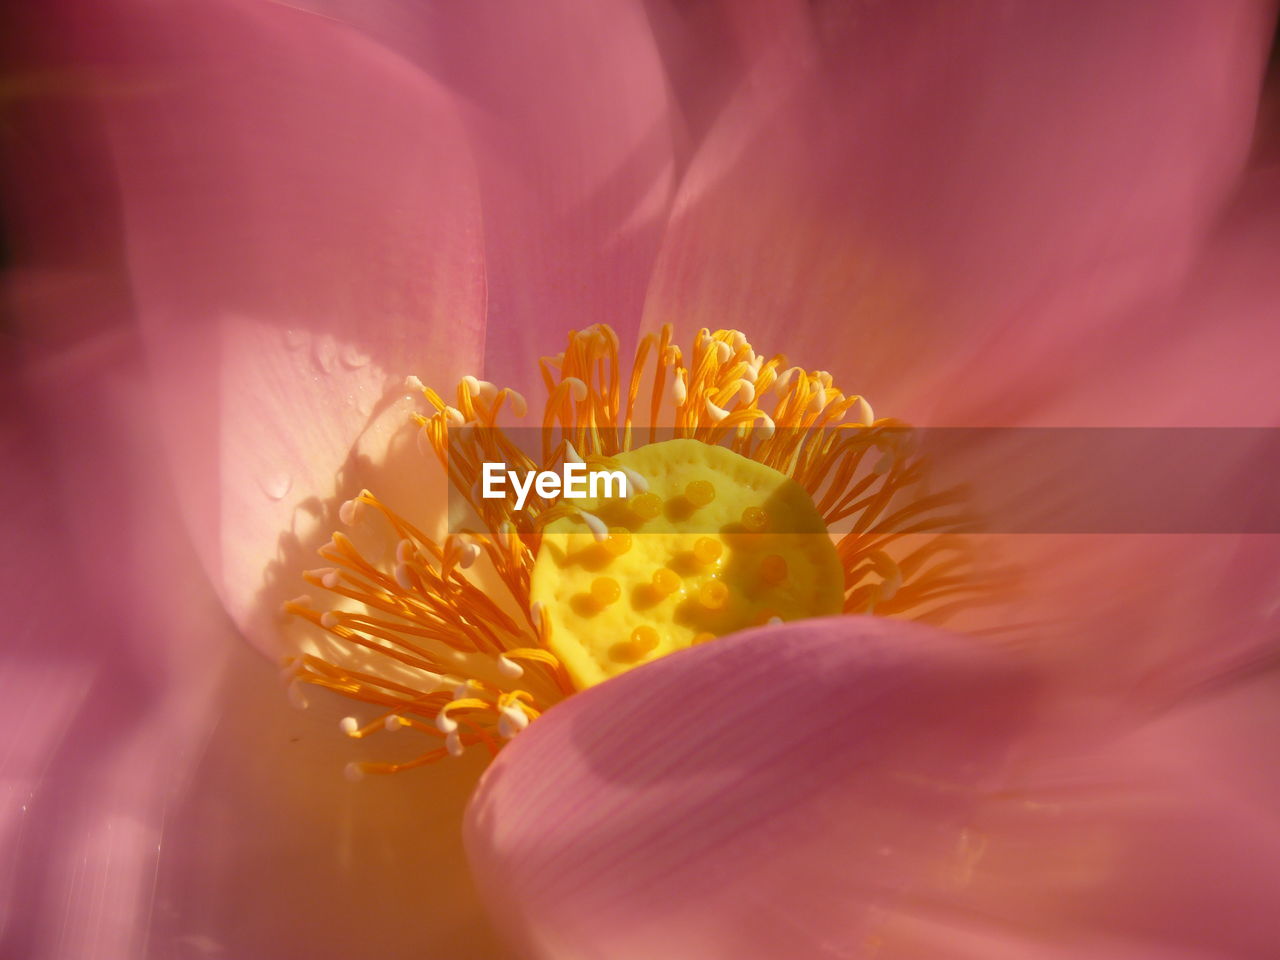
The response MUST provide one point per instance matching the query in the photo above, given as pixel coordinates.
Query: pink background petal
(303, 231)
(158, 796)
(933, 200)
(578, 145)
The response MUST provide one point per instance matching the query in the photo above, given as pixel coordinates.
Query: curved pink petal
(760, 796)
(158, 797)
(936, 202)
(855, 787)
(578, 93)
(303, 231)
(577, 142)
(1198, 355)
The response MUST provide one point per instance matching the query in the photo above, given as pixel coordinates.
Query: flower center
(469, 638)
(715, 543)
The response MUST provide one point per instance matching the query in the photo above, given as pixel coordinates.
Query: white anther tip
(597, 526)
(785, 378)
(393, 723)
(349, 512)
(509, 668)
(328, 620)
(446, 724)
(818, 399)
(468, 555)
(453, 743)
(679, 390)
(297, 699)
(403, 577)
(519, 406)
(577, 389)
(404, 551)
(349, 726)
(571, 454)
(773, 621)
(717, 413)
(636, 482)
(866, 416)
(353, 773)
(413, 383)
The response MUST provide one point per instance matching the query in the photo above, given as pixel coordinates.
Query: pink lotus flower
(238, 223)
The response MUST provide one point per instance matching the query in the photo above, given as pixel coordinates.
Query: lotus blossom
(239, 226)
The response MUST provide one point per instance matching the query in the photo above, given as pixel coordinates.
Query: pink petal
(303, 232)
(577, 145)
(1198, 356)
(157, 794)
(760, 796)
(921, 197)
(855, 787)
(577, 142)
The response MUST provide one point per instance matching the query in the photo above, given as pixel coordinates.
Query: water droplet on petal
(354, 357)
(276, 486)
(326, 352)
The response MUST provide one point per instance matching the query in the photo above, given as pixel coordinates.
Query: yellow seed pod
(662, 573)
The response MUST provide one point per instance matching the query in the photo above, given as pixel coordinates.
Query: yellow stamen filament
(431, 650)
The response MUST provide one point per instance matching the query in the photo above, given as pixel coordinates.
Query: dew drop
(276, 486)
(326, 352)
(354, 357)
